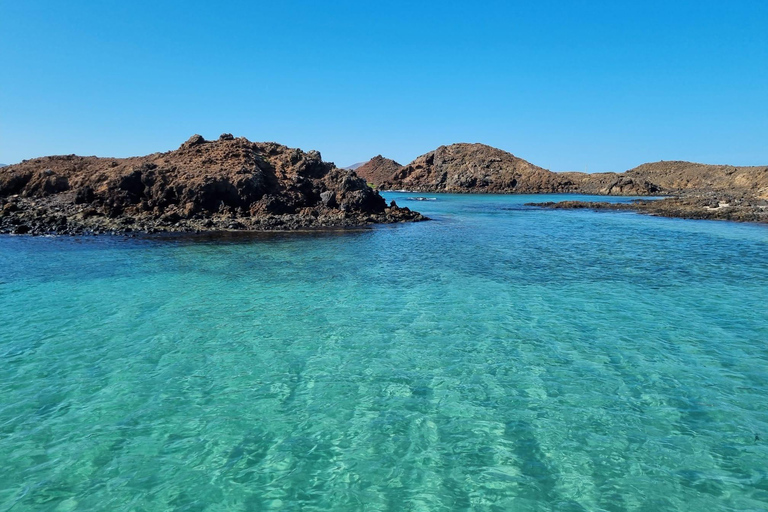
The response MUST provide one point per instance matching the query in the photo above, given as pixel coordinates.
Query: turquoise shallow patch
(497, 358)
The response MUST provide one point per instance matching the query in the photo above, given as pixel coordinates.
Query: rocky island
(697, 191)
(227, 184)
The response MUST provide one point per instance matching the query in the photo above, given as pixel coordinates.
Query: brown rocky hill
(679, 177)
(378, 170)
(230, 183)
(463, 168)
(484, 169)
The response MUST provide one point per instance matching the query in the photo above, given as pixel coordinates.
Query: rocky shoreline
(692, 190)
(701, 207)
(478, 169)
(34, 217)
(230, 184)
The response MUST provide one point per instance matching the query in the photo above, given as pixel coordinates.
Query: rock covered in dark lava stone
(704, 206)
(230, 183)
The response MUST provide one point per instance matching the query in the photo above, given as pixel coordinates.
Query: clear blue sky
(564, 84)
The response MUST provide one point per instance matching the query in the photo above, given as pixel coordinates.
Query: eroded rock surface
(227, 184)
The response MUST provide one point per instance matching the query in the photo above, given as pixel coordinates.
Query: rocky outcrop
(701, 190)
(227, 184)
(713, 192)
(687, 207)
(463, 168)
(477, 168)
(378, 170)
(608, 184)
(687, 177)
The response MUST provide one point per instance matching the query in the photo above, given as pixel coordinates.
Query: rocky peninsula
(697, 191)
(227, 184)
(686, 207)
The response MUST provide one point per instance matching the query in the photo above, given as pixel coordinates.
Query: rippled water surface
(498, 358)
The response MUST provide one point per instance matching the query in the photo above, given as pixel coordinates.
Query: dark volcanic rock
(713, 192)
(707, 207)
(230, 183)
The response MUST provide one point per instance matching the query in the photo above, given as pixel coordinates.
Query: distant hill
(477, 168)
(353, 167)
(378, 170)
(690, 176)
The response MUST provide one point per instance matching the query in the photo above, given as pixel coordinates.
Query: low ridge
(677, 177)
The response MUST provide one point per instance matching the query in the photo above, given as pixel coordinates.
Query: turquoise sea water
(497, 358)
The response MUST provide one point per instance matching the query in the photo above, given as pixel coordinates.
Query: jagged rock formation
(230, 183)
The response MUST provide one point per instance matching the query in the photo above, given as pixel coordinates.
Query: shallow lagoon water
(497, 358)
